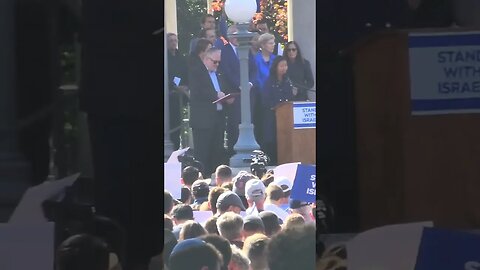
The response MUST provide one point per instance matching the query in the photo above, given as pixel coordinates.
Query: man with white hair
(207, 119)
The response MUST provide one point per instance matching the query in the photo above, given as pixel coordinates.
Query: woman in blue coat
(277, 89)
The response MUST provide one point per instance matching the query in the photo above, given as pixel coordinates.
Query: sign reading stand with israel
(444, 73)
(305, 184)
(304, 115)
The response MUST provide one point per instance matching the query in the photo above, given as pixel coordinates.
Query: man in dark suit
(207, 120)
(230, 68)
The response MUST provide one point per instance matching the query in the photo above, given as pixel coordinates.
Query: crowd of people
(212, 70)
(252, 223)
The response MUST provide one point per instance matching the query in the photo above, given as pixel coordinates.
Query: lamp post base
(244, 147)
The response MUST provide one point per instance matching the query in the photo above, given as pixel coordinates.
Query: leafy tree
(189, 13)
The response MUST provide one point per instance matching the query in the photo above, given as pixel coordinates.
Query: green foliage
(189, 13)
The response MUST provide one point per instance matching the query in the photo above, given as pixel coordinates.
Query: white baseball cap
(254, 188)
(284, 183)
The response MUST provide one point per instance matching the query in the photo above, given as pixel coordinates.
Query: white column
(171, 16)
(302, 29)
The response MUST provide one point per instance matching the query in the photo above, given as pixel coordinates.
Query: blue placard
(447, 249)
(304, 187)
(444, 72)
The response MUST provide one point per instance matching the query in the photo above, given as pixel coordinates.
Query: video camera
(187, 159)
(258, 165)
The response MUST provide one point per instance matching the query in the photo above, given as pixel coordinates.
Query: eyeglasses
(214, 61)
(291, 49)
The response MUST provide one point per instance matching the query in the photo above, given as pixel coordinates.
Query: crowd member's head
(230, 34)
(200, 190)
(195, 254)
(255, 193)
(169, 242)
(213, 197)
(172, 42)
(252, 224)
(228, 186)
(239, 184)
(302, 208)
(167, 222)
(294, 220)
(230, 226)
(278, 70)
(167, 202)
(267, 178)
(191, 229)
(212, 59)
(267, 43)
(83, 251)
(262, 27)
(211, 225)
(229, 202)
(208, 34)
(254, 45)
(182, 213)
(271, 223)
(255, 247)
(200, 50)
(294, 54)
(189, 175)
(223, 174)
(286, 186)
(292, 249)
(222, 245)
(275, 195)
(239, 261)
(207, 21)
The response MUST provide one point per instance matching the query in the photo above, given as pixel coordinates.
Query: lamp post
(241, 12)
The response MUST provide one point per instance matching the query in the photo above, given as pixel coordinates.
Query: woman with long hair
(278, 88)
(299, 71)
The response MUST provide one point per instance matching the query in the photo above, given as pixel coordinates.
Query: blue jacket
(230, 67)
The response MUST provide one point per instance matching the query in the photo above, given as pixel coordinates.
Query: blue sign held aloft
(305, 184)
(448, 249)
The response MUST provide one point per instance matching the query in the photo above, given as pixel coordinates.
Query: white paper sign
(173, 173)
(27, 246)
(174, 156)
(202, 216)
(29, 210)
(393, 247)
(304, 115)
(444, 73)
(288, 170)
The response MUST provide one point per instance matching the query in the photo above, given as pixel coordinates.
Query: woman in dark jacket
(277, 89)
(299, 71)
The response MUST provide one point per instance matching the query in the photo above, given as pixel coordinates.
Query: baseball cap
(186, 244)
(253, 221)
(284, 183)
(254, 188)
(239, 182)
(200, 187)
(295, 204)
(229, 198)
(182, 212)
